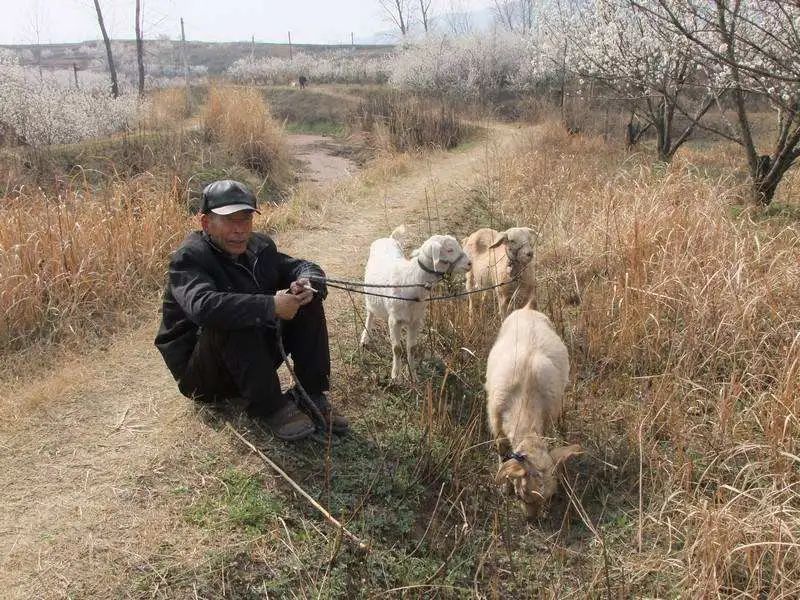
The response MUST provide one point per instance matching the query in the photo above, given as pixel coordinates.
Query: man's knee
(231, 349)
(250, 341)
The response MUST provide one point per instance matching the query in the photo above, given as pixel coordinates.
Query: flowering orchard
(753, 49)
(469, 66)
(45, 109)
(333, 67)
(653, 70)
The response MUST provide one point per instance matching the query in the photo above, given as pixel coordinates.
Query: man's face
(229, 232)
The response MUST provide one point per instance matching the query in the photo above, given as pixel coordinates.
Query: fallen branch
(352, 537)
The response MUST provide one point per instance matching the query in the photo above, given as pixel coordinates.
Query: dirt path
(94, 483)
(321, 158)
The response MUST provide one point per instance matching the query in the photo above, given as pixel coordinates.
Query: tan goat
(499, 257)
(526, 373)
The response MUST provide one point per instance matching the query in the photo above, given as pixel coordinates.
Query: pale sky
(310, 21)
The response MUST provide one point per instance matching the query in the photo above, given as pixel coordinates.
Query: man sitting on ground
(229, 294)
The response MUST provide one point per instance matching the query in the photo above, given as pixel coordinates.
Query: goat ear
(500, 240)
(436, 253)
(532, 232)
(510, 469)
(559, 455)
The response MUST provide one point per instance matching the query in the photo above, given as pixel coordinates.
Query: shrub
(239, 120)
(477, 66)
(42, 111)
(401, 122)
(344, 66)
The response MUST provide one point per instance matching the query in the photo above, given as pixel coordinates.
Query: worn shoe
(289, 423)
(334, 420)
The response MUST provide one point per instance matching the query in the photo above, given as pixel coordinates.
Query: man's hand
(287, 303)
(303, 283)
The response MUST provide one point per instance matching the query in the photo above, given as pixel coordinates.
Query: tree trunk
(764, 190)
(768, 174)
(401, 18)
(140, 47)
(663, 125)
(114, 86)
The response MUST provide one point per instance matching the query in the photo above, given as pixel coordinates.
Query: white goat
(526, 373)
(493, 265)
(439, 255)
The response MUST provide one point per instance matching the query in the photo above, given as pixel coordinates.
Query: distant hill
(163, 57)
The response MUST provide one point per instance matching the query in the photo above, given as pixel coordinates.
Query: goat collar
(433, 271)
(517, 456)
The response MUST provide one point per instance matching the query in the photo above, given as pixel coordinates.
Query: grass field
(679, 304)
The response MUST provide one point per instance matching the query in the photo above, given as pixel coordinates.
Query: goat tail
(399, 235)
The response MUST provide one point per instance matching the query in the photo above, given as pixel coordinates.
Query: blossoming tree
(754, 48)
(650, 67)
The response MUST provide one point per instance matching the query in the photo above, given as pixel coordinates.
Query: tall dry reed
(70, 264)
(167, 107)
(683, 324)
(403, 122)
(239, 120)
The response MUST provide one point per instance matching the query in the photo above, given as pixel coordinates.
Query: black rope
(366, 293)
(327, 280)
(351, 287)
(303, 394)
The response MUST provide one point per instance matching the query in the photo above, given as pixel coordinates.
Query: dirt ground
(321, 158)
(93, 478)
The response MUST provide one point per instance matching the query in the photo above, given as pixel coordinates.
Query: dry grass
(168, 107)
(68, 265)
(239, 120)
(682, 324)
(400, 122)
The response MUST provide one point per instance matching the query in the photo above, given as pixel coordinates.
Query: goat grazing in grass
(438, 256)
(500, 257)
(526, 373)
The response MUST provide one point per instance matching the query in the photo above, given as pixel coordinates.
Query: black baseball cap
(226, 196)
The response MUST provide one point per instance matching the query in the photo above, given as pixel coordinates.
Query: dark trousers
(244, 362)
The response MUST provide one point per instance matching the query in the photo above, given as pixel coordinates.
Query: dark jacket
(208, 288)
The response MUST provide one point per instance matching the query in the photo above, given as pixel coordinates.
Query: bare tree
(114, 85)
(514, 15)
(424, 12)
(399, 13)
(458, 18)
(140, 47)
(36, 30)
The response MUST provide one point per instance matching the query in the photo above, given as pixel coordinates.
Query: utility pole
(252, 48)
(290, 45)
(140, 47)
(352, 40)
(185, 69)
(75, 70)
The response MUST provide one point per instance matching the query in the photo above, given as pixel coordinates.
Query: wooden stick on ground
(352, 537)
